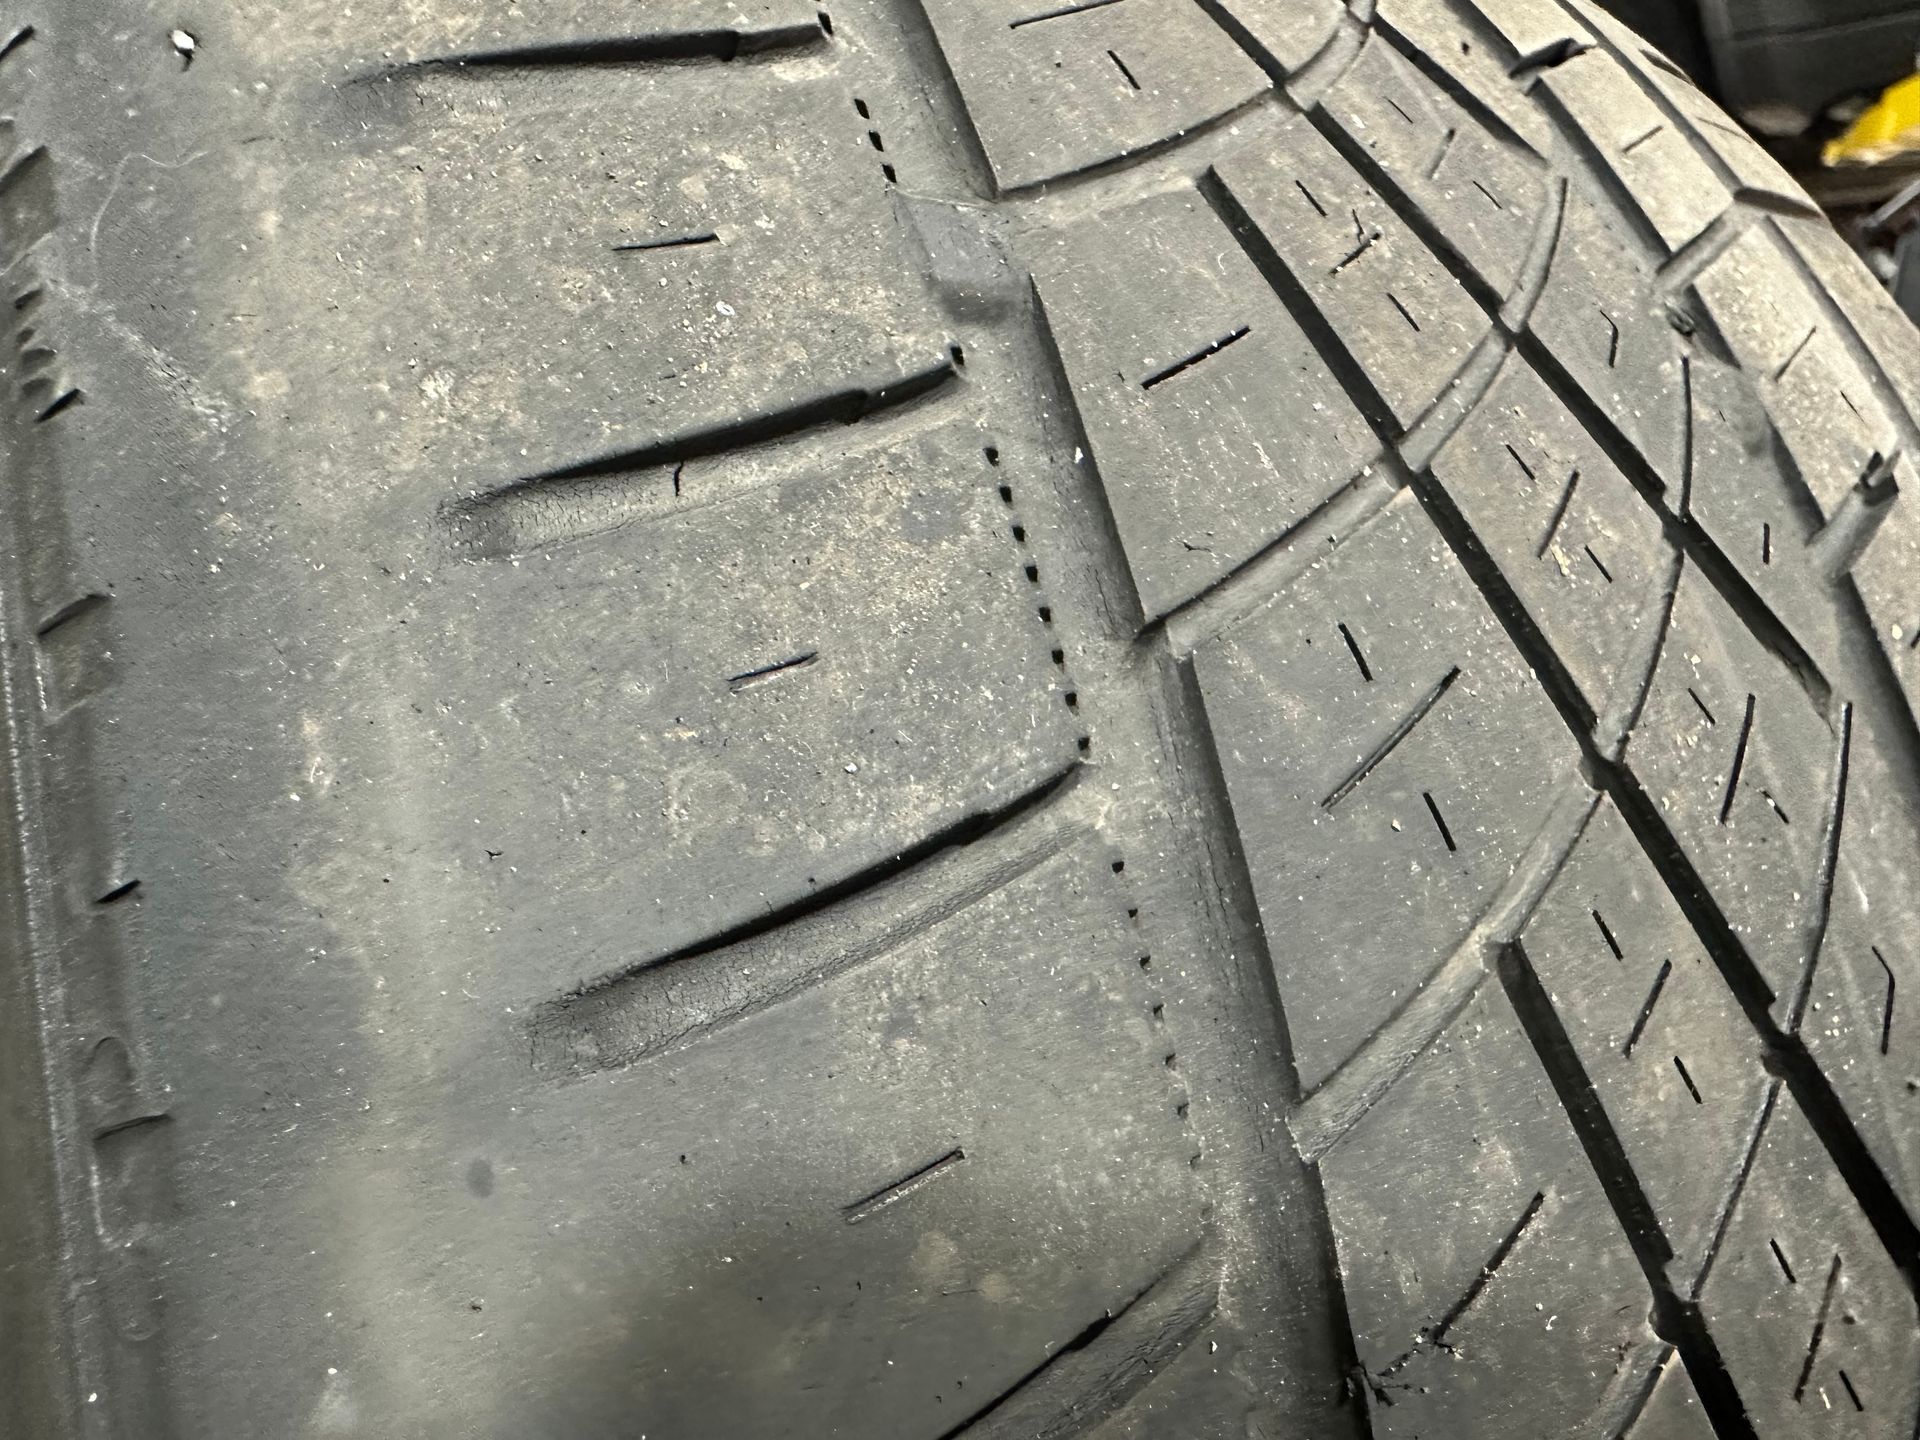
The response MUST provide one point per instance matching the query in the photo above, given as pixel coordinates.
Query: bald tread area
(947, 721)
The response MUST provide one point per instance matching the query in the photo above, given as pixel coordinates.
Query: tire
(932, 722)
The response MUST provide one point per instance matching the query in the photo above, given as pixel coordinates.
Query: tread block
(1745, 497)
(1535, 30)
(1485, 195)
(1816, 1326)
(1458, 1205)
(1673, 1410)
(1571, 536)
(1752, 168)
(1882, 326)
(799, 697)
(737, 219)
(1823, 407)
(1405, 321)
(877, 1206)
(1862, 1023)
(1188, 374)
(1437, 36)
(1739, 764)
(1657, 166)
(1388, 757)
(1884, 575)
(1054, 87)
(1602, 319)
(1673, 1061)
(1288, 32)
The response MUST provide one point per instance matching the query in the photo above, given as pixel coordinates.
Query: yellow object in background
(1887, 128)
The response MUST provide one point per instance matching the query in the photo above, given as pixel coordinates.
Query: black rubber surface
(945, 720)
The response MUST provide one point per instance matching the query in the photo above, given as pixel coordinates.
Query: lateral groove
(1345, 1097)
(673, 47)
(1685, 533)
(662, 1004)
(591, 496)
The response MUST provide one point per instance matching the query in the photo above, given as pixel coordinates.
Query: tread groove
(1549, 56)
(661, 1004)
(678, 242)
(1229, 877)
(1558, 517)
(1886, 1014)
(1346, 1096)
(722, 45)
(1323, 72)
(1739, 761)
(1835, 821)
(747, 679)
(1676, 1319)
(1263, 576)
(1640, 1398)
(1744, 211)
(1059, 14)
(1439, 820)
(1353, 647)
(1116, 572)
(610, 490)
(1784, 1054)
(1606, 933)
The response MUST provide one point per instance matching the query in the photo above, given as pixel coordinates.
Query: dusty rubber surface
(935, 720)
